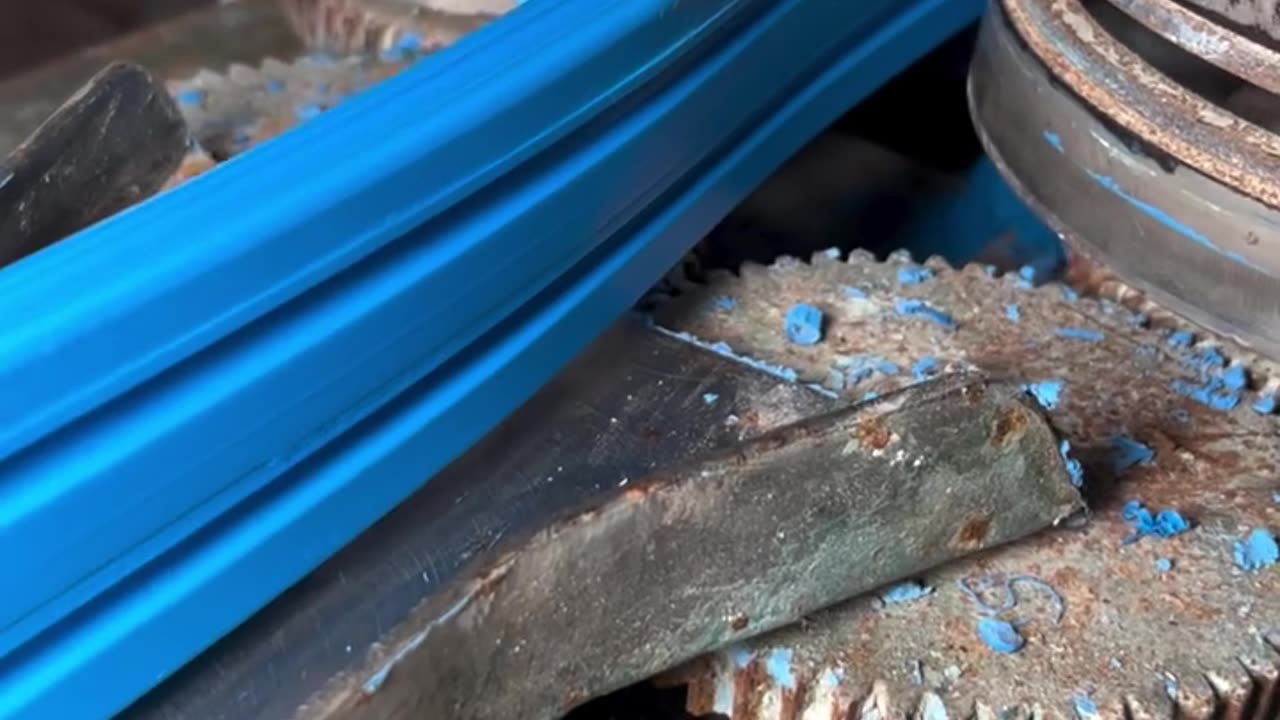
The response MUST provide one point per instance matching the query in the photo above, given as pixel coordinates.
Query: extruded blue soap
(1000, 636)
(1257, 551)
(804, 324)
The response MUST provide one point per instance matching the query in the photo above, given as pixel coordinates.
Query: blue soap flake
(309, 111)
(905, 592)
(724, 302)
(1000, 636)
(1163, 565)
(921, 309)
(1091, 336)
(804, 324)
(1180, 339)
(1235, 378)
(1213, 394)
(853, 293)
(1013, 312)
(1257, 551)
(1026, 276)
(1085, 706)
(710, 398)
(1046, 392)
(924, 369)
(1265, 405)
(1069, 294)
(1164, 524)
(913, 275)
(275, 87)
(1074, 468)
(190, 97)
(778, 665)
(1127, 453)
(887, 368)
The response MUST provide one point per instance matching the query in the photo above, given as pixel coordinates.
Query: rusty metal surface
(633, 402)
(1200, 637)
(1192, 245)
(1167, 116)
(239, 32)
(1208, 40)
(115, 142)
(1262, 15)
(723, 547)
(363, 26)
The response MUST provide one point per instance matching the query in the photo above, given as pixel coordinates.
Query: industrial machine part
(383, 284)
(114, 143)
(1142, 130)
(1117, 622)
(748, 539)
(356, 26)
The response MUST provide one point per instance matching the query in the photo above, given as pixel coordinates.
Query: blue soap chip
(1257, 551)
(804, 324)
(1000, 636)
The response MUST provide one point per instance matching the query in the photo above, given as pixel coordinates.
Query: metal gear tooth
(1265, 676)
(1195, 699)
(901, 256)
(1233, 695)
(859, 256)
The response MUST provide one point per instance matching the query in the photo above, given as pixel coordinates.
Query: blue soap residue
(1163, 565)
(710, 398)
(1000, 636)
(1074, 469)
(724, 302)
(1013, 312)
(921, 309)
(1085, 706)
(778, 665)
(1127, 453)
(190, 98)
(804, 324)
(1180, 339)
(1046, 392)
(1164, 524)
(1026, 276)
(1265, 405)
(1054, 140)
(924, 368)
(1257, 551)
(913, 275)
(309, 111)
(853, 293)
(905, 592)
(1092, 336)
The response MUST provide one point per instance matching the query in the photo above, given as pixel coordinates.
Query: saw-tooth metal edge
(1249, 691)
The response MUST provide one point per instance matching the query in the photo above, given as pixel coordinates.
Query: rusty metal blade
(733, 544)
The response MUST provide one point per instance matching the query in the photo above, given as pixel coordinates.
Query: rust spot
(973, 532)
(872, 433)
(1010, 426)
(740, 623)
(974, 393)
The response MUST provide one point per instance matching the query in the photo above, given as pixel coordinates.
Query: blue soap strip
(905, 592)
(1081, 334)
(1000, 636)
(921, 309)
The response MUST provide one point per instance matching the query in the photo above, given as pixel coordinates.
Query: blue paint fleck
(309, 111)
(1069, 294)
(1085, 706)
(1026, 276)
(724, 302)
(1046, 392)
(190, 97)
(778, 665)
(1163, 565)
(1000, 636)
(710, 398)
(921, 309)
(1013, 312)
(853, 293)
(1257, 551)
(1091, 336)
(1054, 140)
(804, 324)
(1180, 339)
(1265, 405)
(870, 396)
(913, 275)
(1164, 524)
(1074, 469)
(925, 368)
(905, 592)
(1127, 453)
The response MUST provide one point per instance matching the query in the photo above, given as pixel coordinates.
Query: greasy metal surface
(583, 434)
(1115, 81)
(226, 33)
(355, 26)
(719, 548)
(113, 143)
(1208, 40)
(1202, 632)
(1263, 15)
(1195, 246)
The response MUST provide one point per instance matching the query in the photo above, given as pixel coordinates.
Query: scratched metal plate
(1201, 637)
